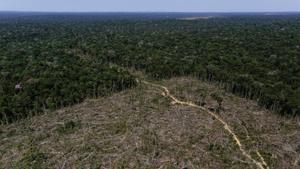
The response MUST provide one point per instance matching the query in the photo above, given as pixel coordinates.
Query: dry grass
(139, 128)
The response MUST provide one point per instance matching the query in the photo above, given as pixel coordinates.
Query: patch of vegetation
(298, 148)
(119, 127)
(194, 139)
(32, 159)
(150, 142)
(214, 147)
(68, 127)
(219, 98)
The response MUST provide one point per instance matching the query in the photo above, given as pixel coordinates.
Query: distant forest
(51, 61)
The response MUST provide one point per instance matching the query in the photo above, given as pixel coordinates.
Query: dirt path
(260, 164)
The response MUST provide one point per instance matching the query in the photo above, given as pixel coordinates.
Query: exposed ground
(140, 128)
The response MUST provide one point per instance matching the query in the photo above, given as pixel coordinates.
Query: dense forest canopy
(51, 61)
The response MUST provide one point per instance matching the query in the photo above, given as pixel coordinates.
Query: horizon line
(36, 11)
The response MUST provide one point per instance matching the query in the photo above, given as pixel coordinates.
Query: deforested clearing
(141, 128)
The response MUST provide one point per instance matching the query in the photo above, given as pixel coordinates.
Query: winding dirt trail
(166, 93)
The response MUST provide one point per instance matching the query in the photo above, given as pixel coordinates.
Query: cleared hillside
(141, 128)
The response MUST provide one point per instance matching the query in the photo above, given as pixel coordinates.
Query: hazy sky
(151, 5)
